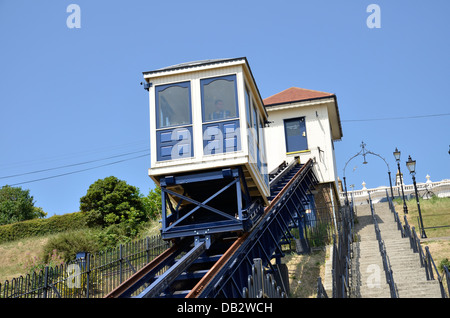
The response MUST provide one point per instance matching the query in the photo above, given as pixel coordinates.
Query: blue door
(295, 134)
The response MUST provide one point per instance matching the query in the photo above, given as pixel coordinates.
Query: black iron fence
(90, 276)
(385, 258)
(426, 260)
(342, 254)
(262, 284)
(343, 220)
(321, 225)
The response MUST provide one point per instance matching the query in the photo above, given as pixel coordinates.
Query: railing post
(88, 273)
(120, 263)
(429, 262)
(446, 273)
(45, 281)
(147, 249)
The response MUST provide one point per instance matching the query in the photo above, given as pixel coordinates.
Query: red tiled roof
(294, 94)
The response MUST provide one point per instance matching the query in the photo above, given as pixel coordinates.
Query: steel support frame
(164, 280)
(263, 242)
(247, 211)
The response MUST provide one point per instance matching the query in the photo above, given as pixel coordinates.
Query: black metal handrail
(396, 216)
(342, 253)
(426, 260)
(385, 258)
(446, 275)
(321, 292)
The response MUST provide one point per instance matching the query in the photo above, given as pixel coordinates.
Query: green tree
(17, 205)
(152, 203)
(110, 202)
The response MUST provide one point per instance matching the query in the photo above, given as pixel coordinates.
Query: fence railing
(319, 226)
(321, 292)
(92, 276)
(440, 189)
(262, 284)
(385, 258)
(342, 254)
(426, 260)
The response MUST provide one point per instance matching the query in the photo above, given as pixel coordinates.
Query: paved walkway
(368, 276)
(368, 273)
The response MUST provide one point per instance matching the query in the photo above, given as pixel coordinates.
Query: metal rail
(262, 242)
(164, 281)
(226, 265)
(128, 287)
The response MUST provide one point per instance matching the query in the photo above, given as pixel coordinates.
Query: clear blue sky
(69, 96)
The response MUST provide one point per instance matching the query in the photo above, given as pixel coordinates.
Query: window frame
(160, 88)
(209, 80)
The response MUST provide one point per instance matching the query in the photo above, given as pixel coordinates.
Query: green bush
(444, 262)
(39, 227)
(69, 243)
(111, 201)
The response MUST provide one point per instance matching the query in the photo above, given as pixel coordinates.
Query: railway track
(194, 267)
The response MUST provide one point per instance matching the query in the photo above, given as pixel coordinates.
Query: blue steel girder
(173, 226)
(263, 241)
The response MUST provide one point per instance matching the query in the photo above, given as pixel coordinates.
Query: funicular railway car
(207, 147)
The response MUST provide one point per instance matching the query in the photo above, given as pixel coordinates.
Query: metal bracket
(147, 85)
(203, 239)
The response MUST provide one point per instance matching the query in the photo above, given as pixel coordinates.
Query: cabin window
(220, 115)
(173, 121)
(173, 105)
(295, 134)
(219, 98)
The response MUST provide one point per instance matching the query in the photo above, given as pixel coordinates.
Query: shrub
(152, 203)
(39, 227)
(444, 262)
(68, 244)
(111, 201)
(36, 263)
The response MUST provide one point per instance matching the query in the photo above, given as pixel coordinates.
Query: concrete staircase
(368, 276)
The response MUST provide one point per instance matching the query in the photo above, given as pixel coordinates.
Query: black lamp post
(411, 164)
(397, 158)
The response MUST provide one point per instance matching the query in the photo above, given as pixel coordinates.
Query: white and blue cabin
(207, 146)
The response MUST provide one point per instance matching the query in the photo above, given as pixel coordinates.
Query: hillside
(435, 213)
(17, 254)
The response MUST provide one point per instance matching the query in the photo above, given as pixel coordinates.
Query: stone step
(380, 291)
(427, 289)
(408, 274)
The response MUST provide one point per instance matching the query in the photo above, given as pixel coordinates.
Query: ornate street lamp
(397, 158)
(363, 153)
(411, 164)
